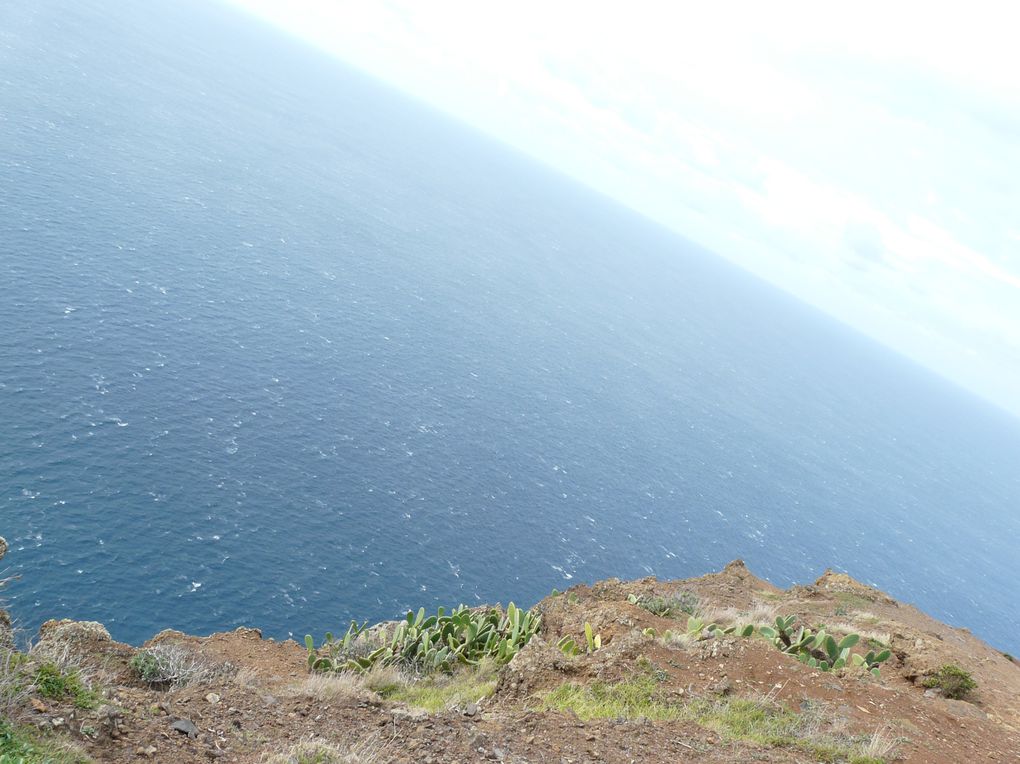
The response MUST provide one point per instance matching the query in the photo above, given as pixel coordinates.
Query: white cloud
(862, 158)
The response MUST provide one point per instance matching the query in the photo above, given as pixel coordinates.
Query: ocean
(282, 347)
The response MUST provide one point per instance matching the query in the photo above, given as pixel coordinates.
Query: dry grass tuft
(882, 637)
(330, 688)
(14, 691)
(384, 680)
(761, 613)
(724, 616)
(369, 750)
(881, 745)
(248, 679)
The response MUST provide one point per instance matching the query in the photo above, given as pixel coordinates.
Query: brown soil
(250, 709)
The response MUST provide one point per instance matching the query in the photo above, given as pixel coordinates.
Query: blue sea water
(281, 347)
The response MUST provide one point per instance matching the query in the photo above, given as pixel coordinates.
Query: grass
(22, 745)
(53, 683)
(330, 688)
(438, 692)
(875, 639)
(366, 751)
(351, 685)
(760, 613)
(758, 721)
(852, 601)
(433, 693)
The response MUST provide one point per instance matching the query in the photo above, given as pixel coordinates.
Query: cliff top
(651, 681)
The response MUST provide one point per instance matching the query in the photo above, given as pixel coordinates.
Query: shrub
(51, 682)
(167, 665)
(952, 681)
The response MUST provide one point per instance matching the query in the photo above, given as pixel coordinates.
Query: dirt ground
(254, 707)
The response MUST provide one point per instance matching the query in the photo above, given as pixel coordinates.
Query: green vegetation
(427, 644)
(438, 692)
(818, 649)
(754, 721)
(592, 642)
(853, 600)
(172, 665)
(21, 745)
(952, 681)
(673, 606)
(51, 682)
(636, 698)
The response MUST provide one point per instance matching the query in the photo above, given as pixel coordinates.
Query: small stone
(58, 721)
(471, 709)
(409, 714)
(212, 698)
(722, 687)
(185, 727)
(38, 705)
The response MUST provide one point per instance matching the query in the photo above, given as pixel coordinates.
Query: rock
(57, 721)
(722, 687)
(212, 698)
(931, 692)
(38, 705)
(471, 709)
(962, 708)
(409, 714)
(3, 547)
(185, 727)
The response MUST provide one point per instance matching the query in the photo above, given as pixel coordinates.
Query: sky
(865, 158)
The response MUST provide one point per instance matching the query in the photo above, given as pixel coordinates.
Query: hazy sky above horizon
(866, 159)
